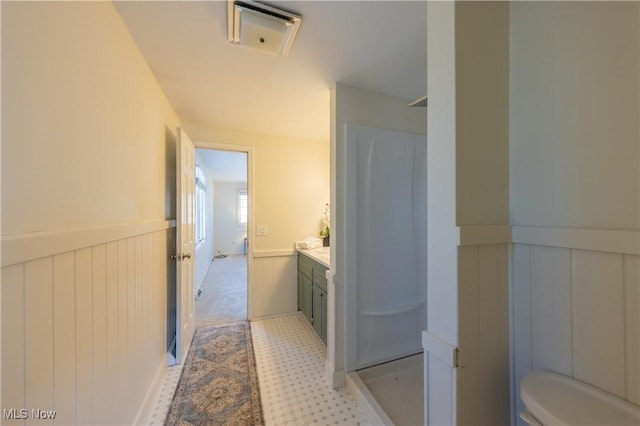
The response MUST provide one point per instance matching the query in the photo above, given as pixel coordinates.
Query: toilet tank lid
(555, 399)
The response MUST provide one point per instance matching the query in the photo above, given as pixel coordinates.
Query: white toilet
(554, 399)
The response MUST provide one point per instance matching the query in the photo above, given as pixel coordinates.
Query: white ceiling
(374, 45)
(223, 166)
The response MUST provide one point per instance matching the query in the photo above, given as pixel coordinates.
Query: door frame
(250, 219)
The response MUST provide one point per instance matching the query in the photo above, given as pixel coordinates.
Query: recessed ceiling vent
(262, 27)
(421, 102)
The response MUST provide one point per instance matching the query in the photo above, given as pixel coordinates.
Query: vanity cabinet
(312, 293)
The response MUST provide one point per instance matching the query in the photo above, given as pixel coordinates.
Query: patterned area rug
(219, 382)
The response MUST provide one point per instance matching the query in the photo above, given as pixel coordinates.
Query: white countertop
(320, 255)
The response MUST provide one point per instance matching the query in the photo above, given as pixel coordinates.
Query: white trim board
(438, 347)
(613, 241)
(25, 247)
(274, 253)
(474, 235)
(607, 240)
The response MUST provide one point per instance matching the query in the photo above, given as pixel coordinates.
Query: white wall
(87, 135)
(574, 154)
(357, 106)
(228, 234)
(574, 114)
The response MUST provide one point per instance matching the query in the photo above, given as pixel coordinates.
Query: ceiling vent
(262, 27)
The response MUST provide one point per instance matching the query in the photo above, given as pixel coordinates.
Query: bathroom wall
(87, 145)
(574, 155)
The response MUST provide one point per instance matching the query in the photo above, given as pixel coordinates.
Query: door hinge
(456, 358)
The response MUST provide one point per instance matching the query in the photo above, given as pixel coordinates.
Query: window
(201, 196)
(243, 207)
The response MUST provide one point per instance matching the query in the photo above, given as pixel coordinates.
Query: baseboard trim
(335, 379)
(266, 317)
(142, 416)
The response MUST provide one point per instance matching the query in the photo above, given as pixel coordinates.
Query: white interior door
(386, 249)
(184, 254)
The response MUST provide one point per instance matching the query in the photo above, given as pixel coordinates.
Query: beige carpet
(224, 292)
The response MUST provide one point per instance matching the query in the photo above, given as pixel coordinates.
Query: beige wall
(85, 129)
(574, 107)
(291, 183)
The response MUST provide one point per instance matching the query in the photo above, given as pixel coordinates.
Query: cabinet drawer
(305, 265)
(319, 277)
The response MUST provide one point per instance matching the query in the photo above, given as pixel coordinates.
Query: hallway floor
(290, 361)
(224, 292)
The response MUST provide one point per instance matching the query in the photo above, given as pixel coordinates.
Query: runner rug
(219, 382)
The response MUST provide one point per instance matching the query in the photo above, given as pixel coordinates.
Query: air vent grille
(421, 102)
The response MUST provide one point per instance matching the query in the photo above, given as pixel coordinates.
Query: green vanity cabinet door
(320, 312)
(312, 293)
(304, 295)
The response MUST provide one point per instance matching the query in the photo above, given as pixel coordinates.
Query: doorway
(221, 206)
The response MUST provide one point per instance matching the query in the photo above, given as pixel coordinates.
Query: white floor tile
(290, 360)
(165, 396)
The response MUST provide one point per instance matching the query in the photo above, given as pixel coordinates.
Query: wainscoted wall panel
(483, 379)
(598, 319)
(13, 361)
(520, 322)
(83, 332)
(632, 333)
(274, 288)
(575, 312)
(64, 353)
(550, 302)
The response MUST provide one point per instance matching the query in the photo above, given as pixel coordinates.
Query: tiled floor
(290, 361)
(165, 396)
